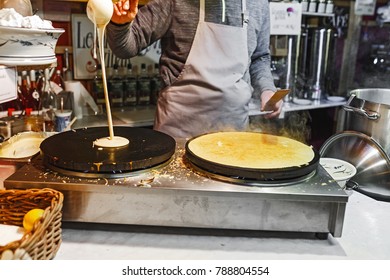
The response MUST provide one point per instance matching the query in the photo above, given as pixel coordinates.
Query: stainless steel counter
(365, 237)
(176, 196)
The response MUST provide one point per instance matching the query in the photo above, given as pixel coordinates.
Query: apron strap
(244, 15)
(202, 9)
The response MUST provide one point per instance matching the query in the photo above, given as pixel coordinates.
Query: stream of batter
(100, 13)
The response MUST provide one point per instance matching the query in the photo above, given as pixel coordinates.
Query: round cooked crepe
(251, 150)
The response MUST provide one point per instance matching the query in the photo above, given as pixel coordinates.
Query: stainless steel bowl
(371, 161)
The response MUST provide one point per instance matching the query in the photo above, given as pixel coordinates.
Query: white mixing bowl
(26, 46)
(340, 170)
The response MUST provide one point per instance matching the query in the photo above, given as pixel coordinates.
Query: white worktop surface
(144, 115)
(366, 236)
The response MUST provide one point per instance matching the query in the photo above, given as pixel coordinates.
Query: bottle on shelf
(49, 102)
(18, 104)
(33, 122)
(34, 94)
(321, 6)
(49, 98)
(155, 84)
(98, 87)
(312, 6)
(115, 86)
(58, 81)
(130, 87)
(25, 89)
(122, 68)
(305, 5)
(10, 111)
(143, 86)
(40, 76)
(329, 7)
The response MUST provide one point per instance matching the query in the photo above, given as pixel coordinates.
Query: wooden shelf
(317, 14)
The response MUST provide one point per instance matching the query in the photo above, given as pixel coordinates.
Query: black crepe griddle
(72, 152)
(257, 174)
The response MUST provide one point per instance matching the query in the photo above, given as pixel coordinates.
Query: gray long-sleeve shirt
(174, 22)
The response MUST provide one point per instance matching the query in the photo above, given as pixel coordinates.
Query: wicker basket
(44, 240)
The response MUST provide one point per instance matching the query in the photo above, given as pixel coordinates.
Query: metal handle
(371, 115)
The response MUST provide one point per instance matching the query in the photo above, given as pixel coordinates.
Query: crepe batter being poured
(100, 13)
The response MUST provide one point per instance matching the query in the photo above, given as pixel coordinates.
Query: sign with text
(84, 65)
(365, 7)
(8, 82)
(83, 47)
(285, 18)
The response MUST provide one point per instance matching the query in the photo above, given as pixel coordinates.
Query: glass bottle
(58, 80)
(321, 6)
(34, 94)
(40, 86)
(25, 89)
(329, 7)
(33, 122)
(130, 87)
(98, 87)
(49, 102)
(49, 98)
(155, 85)
(143, 86)
(115, 86)
(313, 6)
(18, 103)
(305, 5)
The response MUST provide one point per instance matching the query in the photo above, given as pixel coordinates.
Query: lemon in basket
(31, 217)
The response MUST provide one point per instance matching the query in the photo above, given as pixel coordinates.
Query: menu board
(285, 18)
(8, 82)
(366, 7)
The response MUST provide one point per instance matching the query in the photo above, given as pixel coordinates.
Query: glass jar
(304, 5)
(329, 7)
(313, 6)
(321, 6)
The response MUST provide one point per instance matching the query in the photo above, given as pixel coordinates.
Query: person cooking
(215, 57)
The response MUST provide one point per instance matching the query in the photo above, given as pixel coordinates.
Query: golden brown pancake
(251, 150)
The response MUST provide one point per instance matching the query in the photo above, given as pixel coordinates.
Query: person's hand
(277, 108)
(124, 11)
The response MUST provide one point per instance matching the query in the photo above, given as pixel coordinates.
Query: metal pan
(273, 174)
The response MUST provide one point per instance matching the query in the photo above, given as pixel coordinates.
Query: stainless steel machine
(174, 192)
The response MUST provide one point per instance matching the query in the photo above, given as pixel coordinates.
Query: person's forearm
(260, 69)
(148, 26)
(121, 41)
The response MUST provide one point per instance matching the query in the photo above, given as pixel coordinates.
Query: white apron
(210, 94)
